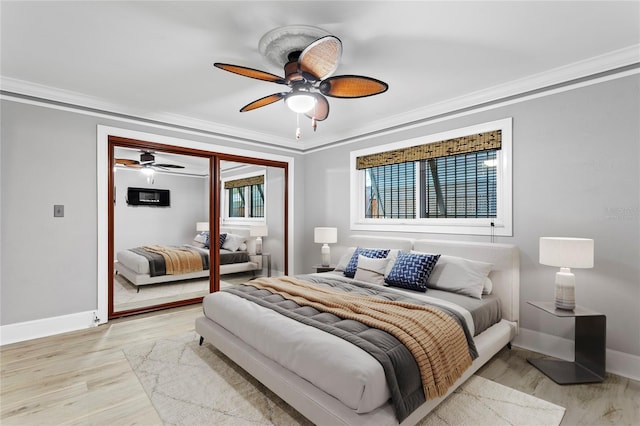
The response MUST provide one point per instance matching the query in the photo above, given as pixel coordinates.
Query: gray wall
(135, 226)
(48, 156)
(576, 173)
(576, 160)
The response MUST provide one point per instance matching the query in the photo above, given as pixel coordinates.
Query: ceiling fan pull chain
(298, 132)
(314, 123)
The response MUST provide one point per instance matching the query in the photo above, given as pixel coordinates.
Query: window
(245, 197)
(453, 182)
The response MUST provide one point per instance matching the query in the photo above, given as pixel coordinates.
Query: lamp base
(565, 290)
(326, 255)
(259, 245)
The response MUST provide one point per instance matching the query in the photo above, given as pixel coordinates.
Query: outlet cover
(58, 210)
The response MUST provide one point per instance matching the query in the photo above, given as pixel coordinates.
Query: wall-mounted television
(148, 197)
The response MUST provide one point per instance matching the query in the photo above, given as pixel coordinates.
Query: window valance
(462, 145)
(238, 183)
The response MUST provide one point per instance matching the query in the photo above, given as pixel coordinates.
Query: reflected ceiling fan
(308, 75)
(147, 160)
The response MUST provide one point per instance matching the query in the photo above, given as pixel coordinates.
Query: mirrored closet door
(185, 222)
(161, 201)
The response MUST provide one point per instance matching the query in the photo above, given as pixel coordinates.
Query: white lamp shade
(258, 231)
(325, 235)
(202, 226)
(566, 252)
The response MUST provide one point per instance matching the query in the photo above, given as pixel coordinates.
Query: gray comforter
(401, 370)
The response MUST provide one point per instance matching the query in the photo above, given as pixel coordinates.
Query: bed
(235, 257)
(313, 375)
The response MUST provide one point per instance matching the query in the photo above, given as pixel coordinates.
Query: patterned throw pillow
(352, 266)
(223, 236)
(411, 270)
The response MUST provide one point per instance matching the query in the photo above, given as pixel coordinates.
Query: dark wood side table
(590, 347)
(320, 268)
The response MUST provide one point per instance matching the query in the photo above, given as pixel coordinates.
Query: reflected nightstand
(590, 347)
(320, 268)
(262, 258)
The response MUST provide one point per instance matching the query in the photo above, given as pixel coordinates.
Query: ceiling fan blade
(352, 86)
(127, 162)
(250, 72)
(320, 59)
(168, 166)
(263, 102)
(321, 110)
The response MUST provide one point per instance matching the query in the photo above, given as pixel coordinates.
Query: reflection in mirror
(159, 199)
(252, 220)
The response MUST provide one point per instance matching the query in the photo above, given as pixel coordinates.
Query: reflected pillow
(201, 240)
(232, 242)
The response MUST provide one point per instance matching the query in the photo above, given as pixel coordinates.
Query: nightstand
(590, 347)
(320, 268)
(263, 258)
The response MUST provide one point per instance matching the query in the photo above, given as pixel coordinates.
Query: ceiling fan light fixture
(147, 171)
(300, 102)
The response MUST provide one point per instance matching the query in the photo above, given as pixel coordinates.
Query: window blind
(465, 144)
(237, 183)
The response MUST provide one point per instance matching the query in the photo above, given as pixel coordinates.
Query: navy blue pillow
(205, 234)
(412, 270)
(223, 237)
(352, 266)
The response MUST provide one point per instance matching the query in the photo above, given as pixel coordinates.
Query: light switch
(58, 210)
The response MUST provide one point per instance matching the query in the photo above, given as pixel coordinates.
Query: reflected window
(245, 197)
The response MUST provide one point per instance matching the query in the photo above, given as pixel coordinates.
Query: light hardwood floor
(83, 378)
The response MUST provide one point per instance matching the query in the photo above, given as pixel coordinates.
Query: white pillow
(344, 259)
(392, 256)
(371, 270)
(488, 286)
(233, 242)
(459, 275)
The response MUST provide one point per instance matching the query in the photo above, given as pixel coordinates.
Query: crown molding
(542, 84)
(98, 106)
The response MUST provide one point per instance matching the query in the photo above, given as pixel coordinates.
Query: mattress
(330, 363)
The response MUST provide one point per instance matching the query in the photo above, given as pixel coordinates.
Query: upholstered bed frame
(324, 409)
(144, 279)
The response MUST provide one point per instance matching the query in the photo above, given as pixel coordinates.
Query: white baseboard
(18, 332)
(620, 363)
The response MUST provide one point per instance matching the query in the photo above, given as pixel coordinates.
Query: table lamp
(566, 253)
(325, 236)
(258, 231)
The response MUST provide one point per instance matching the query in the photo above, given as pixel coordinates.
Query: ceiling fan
(308, 75)
(147, 160)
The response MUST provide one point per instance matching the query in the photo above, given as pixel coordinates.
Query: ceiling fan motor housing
(147, 157)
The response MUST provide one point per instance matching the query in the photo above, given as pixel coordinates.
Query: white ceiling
(154, 59)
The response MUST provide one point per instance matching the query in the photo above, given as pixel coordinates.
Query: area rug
(190, 384)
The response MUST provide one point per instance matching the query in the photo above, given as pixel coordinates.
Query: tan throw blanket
(436, 341)
(178, 260)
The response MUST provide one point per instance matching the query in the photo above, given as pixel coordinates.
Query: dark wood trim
(154, 308)
(214, 218)
(214, 212)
